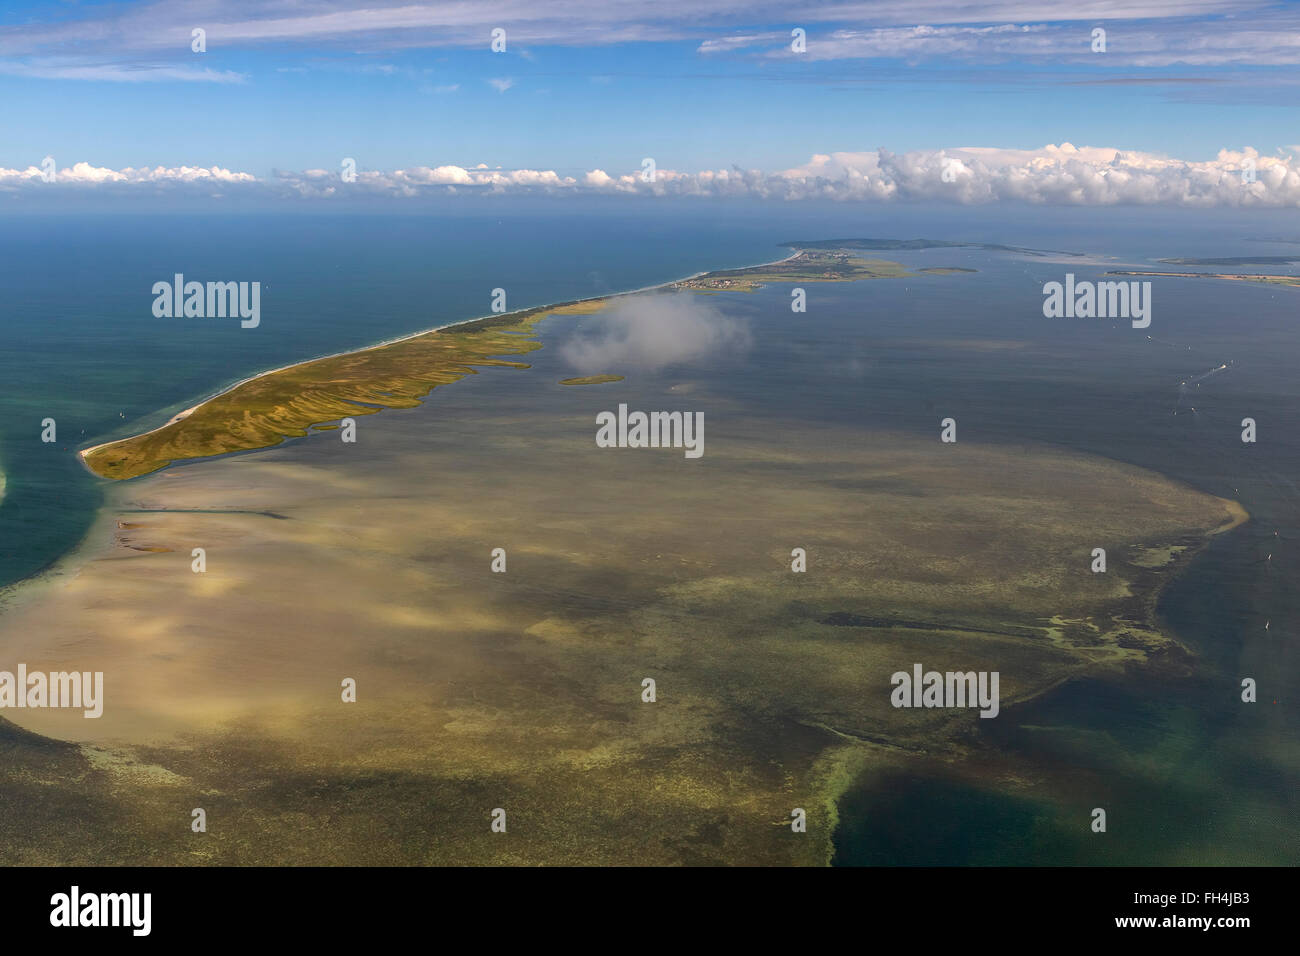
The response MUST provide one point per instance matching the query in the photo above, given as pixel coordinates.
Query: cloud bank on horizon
(719, 94)
(1063, 174)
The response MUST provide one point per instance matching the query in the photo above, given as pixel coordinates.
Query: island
(1293, 281)
(591, 380)
(267, 409)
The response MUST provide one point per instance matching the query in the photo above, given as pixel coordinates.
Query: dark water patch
(916, 820)
(1164, 759)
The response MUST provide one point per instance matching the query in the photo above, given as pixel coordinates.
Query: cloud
(653, 332)
(501, 84)
(1053, 174)
(88, 175)
(121, 36)
(61, 68)
(1032, 33)
(743, 41)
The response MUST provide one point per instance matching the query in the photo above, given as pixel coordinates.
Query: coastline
(1239, 516)
(463, 325)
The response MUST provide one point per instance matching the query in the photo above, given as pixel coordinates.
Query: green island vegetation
(591, 380)
(807, 265)
(944, 270)
(285, 403)
(265, 410)
(1293, 281)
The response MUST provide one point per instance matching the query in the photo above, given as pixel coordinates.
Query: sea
(1207, 780)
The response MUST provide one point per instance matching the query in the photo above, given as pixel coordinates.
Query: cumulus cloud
(85, 174)
(653, 332)
(1055, 174)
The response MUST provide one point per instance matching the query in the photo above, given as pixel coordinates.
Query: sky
(1141, 101)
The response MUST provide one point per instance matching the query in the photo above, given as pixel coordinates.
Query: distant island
(1293, 281)
(824, 264)
(591, 380)
(1234, 261)
(916, 244)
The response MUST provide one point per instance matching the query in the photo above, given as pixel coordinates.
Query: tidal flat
(523, 690)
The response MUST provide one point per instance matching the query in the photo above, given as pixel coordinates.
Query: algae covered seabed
(523, 690)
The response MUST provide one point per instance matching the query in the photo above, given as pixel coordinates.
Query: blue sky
(587, 85)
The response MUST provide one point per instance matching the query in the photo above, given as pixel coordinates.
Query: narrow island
(591, 380)
(806, 265)
(1232, 261)
(264, 410)
(1293, 281)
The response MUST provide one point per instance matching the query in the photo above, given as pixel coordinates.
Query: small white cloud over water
(651, 332)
